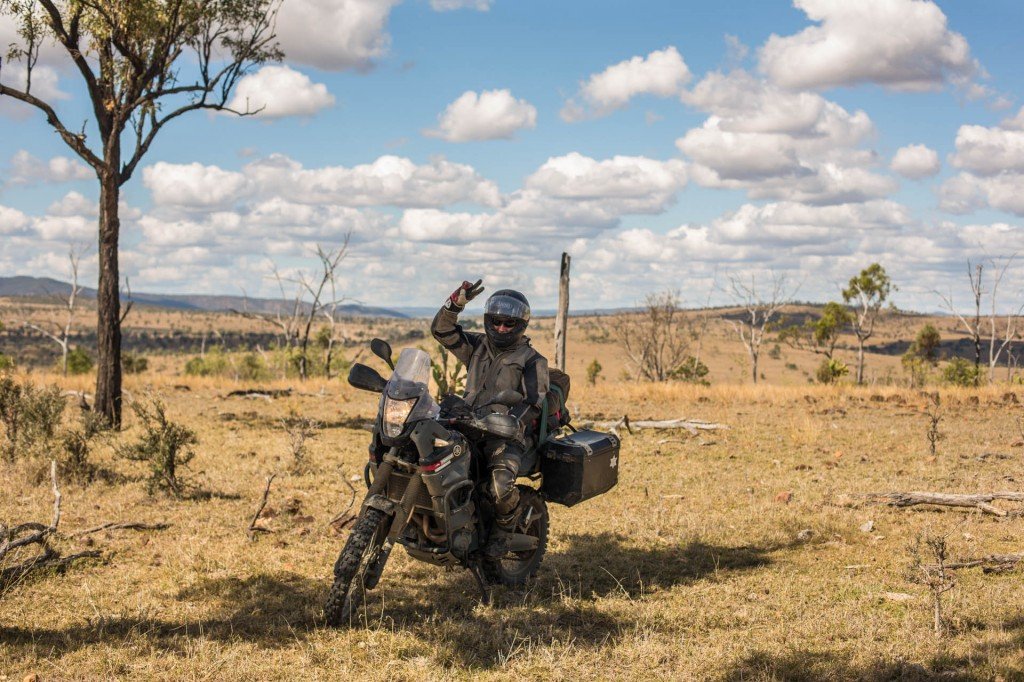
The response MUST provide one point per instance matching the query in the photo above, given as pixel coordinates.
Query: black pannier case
(579, 466)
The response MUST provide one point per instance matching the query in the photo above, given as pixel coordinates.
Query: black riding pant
(504, 460)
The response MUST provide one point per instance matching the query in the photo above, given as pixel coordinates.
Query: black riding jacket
(490, 370)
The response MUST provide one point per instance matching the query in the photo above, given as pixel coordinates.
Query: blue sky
(665, 145)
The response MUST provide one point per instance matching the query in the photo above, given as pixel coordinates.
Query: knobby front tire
(346, 594)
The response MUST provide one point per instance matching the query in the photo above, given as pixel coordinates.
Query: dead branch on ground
(691, 426)
(990, 563)
(980, 501)
(120, 525)
(344, 518)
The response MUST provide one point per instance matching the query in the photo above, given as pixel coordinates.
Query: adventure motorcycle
(427, 489)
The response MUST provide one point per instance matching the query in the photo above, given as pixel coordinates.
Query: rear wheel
(516, 568)
(360, 552)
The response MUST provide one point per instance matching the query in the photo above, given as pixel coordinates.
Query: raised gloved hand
(466, 292)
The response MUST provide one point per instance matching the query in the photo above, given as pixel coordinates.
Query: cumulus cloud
(916, 161)
(992, 161)
(662, 73)
(334, 34)
(12, 220)
(900, 44)
(29, 170)
(779, 144)
(73, 203)
(193, 185)
(279, 91)
(489, 115)
(449, 5)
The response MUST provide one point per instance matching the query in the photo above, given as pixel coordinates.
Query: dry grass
(694, 567)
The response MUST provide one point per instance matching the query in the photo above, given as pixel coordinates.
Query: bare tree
(143, 64)
(61, 333)
(972, 324)
(1002, 332)
(314, 285)
(761, 304)
(656, 340)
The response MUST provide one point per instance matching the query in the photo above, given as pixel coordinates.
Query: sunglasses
(505, 323)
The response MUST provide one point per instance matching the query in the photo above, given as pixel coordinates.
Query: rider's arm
(449, 334)
(535, 382)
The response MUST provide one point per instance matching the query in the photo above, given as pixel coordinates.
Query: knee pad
(503, 483)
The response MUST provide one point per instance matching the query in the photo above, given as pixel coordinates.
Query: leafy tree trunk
(108, 303)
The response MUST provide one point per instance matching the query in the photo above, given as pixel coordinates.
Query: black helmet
(506, 305)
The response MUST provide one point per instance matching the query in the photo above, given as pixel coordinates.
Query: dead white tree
(1003, 330)
(60, 333)
(761, 302)
(656, 340)
(314, 285)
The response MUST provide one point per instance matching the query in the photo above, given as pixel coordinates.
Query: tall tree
(144, 63)
(867, 292)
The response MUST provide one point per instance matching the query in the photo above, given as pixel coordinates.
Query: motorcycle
(427, 490)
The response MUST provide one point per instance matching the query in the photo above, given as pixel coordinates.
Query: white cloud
(916, 161)
(72, 204)
(491, 115)
(193, 185)
(900, 44)
(278, 91)
(334, 34)
(12, 220)
(431, 225)
(388, 181)
(779, 144)
(27, 169)
(993, 163)
(65, 229)
(449, 5)
(575, 176)
(989, 151)
(662, 73)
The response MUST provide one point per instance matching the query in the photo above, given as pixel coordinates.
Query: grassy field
(736, 554)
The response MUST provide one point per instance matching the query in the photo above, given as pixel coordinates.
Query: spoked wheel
(516, 568)
(360, 552)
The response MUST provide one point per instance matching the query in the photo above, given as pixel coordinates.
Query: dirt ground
(746, 553)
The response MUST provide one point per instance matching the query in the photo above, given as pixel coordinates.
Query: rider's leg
(505, 458)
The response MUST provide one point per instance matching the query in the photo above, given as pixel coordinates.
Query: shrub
(449, 376)
(916, 368)
(252, 368)
(132, 363)
(6, 362)
(30, 415)
(593, 370)
(76, 445)
(79, 361)
(775, 352)
(163, 445)
(961, 372)
(830, 371)
(792, 366)
(692, 371)
(212, 364)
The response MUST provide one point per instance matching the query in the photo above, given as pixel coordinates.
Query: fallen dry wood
(992, 562)
(12, 539)
(344, 518)
(253, 528)
(267, 393)
(692, 426)
(980, 501)
(123, 525)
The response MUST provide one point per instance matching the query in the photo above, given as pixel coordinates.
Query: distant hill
(41, 287)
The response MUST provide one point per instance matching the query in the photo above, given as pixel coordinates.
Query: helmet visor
(507, 306)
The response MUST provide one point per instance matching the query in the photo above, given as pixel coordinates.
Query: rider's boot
(504, 528)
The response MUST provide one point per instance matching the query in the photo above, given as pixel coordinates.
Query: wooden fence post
(562, 317)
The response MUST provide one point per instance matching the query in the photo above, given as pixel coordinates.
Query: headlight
(395, 414)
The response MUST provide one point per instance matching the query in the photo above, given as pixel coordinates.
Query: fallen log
(264, 393)
(122, 525)
(691, 426)
(980, 501)
(990, 563)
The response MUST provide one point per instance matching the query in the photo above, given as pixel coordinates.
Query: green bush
(79, 361)
(30, 416)
(961, 372)
(593, 370)
(691, 371)
(6, 362)
(131, 363)
(916, 368)
(830, 371)
(212, 364)
(163, 445)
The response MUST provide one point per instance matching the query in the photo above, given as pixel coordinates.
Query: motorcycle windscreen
(411, 379)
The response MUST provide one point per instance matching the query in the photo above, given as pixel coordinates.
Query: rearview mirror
(509, 398)
(382, 349)
(366, 378)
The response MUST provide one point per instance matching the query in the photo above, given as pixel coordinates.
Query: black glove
(464, 294)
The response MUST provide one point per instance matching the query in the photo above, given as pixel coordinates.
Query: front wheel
(516, 568)
(361, 550)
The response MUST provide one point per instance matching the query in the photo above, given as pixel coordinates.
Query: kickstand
(485, 594)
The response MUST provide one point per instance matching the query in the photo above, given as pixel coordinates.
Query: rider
(500, 359)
